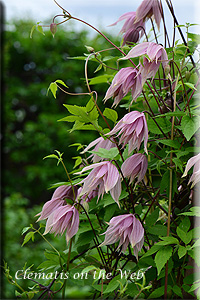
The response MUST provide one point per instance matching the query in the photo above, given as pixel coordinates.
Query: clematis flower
(63, 218)
(135, 166)
(127, 79)
(87, 197)
(133, 130)
(156, 55)
(148, 9)
(99, 143)
(193, 161)
(125, 229)
(57, 200)
(105, 177)
(132, 30)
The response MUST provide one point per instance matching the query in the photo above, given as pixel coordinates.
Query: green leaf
(25, 229)
(190, 85)
(157, 293)
(158, 230)
(78, 161)
(151, 251)
(89, 268)
(194, 211)
(111, 114)
(32, 30)
(177, 290)
(194, 37)
(164, 123)
(53, 88)
(113, 285)
(105, 153)
(61, 82)
(173, 144)
(40, 29)
(186, 237)
(162, 256)
(181, 251)
(28, 236)
(189, 126)
(185, 224)
(167, 240)
(100, 79)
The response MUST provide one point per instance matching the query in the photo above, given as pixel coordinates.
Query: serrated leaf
(181, 251)
(157, 293)
(111, 114)
(186, 237)
(162, 256)
(189, 126)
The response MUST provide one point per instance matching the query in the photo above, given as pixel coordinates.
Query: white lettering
(17, 274)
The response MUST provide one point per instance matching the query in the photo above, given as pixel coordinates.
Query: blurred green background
(31, 130)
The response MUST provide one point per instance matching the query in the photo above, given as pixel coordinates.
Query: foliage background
(31, 130)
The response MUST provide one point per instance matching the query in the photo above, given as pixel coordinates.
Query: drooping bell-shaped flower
(125, 229)
(132, 30)
(58, 199)
(99, 143)
(193, 161)
(148, 9)
(63, 218)
(86, 197)
(156, 55)
(133, 130)
(127, 79)
(104, 176)
(135, 166)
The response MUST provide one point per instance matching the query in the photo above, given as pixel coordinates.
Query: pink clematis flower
(58, 199)
(105, 177)
(193, 161)
(99, 143)
(132, 30)
(63, 218)
(135, 166)
(156, 55)
(148, 9)
(127, 79)
(133, 130)
(125, 229)
(86, 197)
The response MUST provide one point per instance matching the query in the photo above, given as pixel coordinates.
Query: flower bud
(167, 69)
(187, 75)
(89, 49)
(53, 28)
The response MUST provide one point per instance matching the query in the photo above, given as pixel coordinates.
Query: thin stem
(74, 195)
